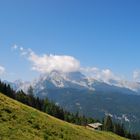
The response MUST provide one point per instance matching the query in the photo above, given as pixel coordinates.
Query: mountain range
(76, 80)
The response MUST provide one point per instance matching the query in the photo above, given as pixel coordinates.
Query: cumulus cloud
(136, 75)
(46, 63)
(2, 70)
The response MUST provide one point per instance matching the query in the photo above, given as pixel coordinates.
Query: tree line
(52, 109)
(44, 105)
(117, 128)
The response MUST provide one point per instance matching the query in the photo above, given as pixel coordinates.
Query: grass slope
(20, 122)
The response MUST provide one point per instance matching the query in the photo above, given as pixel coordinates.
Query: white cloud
(108, 74)
(14, 47)
(47, 63)
(2, 70)
(136, 75)
(92, 72)
(104, 75)
(21, 49)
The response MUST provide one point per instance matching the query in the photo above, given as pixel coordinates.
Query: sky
(99, 37)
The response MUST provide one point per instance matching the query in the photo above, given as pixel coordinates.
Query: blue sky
(98, 33)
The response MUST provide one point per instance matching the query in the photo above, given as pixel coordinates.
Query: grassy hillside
(20, 122)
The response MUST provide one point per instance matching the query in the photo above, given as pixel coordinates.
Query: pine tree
(108, 124)
(31, 99)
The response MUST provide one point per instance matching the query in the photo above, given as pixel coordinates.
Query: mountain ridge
(74, 80)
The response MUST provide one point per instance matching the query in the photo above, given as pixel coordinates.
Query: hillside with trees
(52, 109)
(21, 122)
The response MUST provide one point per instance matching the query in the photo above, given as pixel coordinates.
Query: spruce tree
(108, 124)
